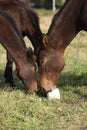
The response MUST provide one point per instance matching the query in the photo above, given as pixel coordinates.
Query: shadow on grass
(66, 79)
(80, 94)
(72, 79)
(71, 82)
(6, 86)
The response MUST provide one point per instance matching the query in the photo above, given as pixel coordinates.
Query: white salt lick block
(55, 94)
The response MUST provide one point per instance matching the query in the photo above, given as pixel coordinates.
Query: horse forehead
(48, 53)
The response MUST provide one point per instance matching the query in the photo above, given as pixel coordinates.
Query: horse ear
(45, 40)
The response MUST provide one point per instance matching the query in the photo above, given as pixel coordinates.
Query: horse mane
(57, 15)
(34, 17)
(34, 20)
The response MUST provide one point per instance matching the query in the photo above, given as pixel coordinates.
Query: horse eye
(41, 61)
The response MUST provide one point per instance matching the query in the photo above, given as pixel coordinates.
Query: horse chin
(54, 94)
(31, 87)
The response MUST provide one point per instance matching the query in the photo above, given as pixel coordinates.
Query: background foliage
(44, 3)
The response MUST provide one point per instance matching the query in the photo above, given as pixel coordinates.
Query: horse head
(50, 64)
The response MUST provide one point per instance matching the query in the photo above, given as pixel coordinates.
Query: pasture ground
(21, 111)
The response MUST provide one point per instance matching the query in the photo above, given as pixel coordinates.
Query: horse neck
(26, 20)
(64, 25)
(33, 30)
(4, 1)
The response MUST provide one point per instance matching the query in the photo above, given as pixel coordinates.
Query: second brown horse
(27, 23)
(66, 24)
(13, 42)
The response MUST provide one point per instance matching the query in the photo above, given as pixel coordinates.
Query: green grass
(21, 111)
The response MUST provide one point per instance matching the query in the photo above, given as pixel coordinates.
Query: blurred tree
(44, 3)
(37, 3)
(59, 3)
(47, 4)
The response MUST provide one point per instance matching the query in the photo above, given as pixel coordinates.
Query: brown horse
(27, 23)
(66, 23)
(13, 42)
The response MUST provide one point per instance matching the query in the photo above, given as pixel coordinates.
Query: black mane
(57, 15)
(34, 17)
